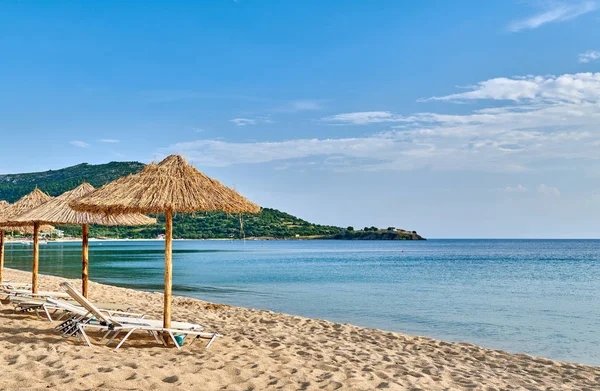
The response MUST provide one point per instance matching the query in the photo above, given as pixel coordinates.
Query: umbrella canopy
(9, 213)
(3, 205)
(7, 221)
(58, 211)
(170, 186)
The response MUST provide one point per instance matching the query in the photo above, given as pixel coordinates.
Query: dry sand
(262, 350)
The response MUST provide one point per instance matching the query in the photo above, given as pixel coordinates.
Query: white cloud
(554, 11)
(242, 121)
(555, 126)
(251, 121)
(590, 55)
(515, 189)
(365, 117)
(110, 140)
(548, 190)
(79, 144)
(573, 88)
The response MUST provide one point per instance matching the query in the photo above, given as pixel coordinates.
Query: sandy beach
(261, 350)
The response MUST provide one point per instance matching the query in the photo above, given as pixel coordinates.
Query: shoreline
(27, 241)
(263, 350)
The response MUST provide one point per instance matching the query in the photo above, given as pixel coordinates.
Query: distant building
(53, 233)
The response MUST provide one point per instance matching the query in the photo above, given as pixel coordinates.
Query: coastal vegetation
(377, 234)
(268, 223)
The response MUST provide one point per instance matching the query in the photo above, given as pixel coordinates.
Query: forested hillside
(267, 223)
(56, 182)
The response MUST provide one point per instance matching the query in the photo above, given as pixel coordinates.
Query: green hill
(56, 182)
(269, 223)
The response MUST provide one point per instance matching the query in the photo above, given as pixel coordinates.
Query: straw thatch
(57, 211)
(25, 204)
(3, 205)
(172, 185)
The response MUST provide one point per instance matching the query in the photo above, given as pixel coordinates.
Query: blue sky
(452, 118)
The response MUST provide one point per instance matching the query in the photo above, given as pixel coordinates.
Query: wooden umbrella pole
(36, 258)
(84, 259)
(168, 268)
(1, 255)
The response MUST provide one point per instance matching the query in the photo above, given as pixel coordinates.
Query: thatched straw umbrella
(57, 211)
(3, 207)
(25, 204)
(170, 186)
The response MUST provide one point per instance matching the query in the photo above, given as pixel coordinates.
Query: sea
(539, 297)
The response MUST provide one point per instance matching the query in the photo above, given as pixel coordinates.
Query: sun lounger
(15, 285)
(29, 293)
(37, 305)
(96, 319)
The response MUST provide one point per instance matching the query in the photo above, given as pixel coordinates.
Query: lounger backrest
(67, 306)
(85, 303)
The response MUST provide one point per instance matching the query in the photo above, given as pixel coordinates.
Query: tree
(373, 228)
(350, 228)
(366, 229)
(391, 228)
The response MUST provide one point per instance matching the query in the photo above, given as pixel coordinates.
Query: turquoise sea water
(540, 297)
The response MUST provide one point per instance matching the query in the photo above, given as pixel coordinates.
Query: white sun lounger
(31, 304)
(29, 293)
(15, 285)
(96, 319)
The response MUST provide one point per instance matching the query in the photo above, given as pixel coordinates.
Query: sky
(457, 119)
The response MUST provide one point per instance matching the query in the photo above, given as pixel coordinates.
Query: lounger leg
(82, 332)
(211, 341)
(174, 341)
(47, 313)
(153, 333)
(113, 337)
(162, 339)
(124, 339)
(104, 336)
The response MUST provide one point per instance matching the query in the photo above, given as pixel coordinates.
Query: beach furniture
(38, 305)
(30, 293)
(168, 187)
(57, 211)
(94, 318)
(15, 285)
(9, 213)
